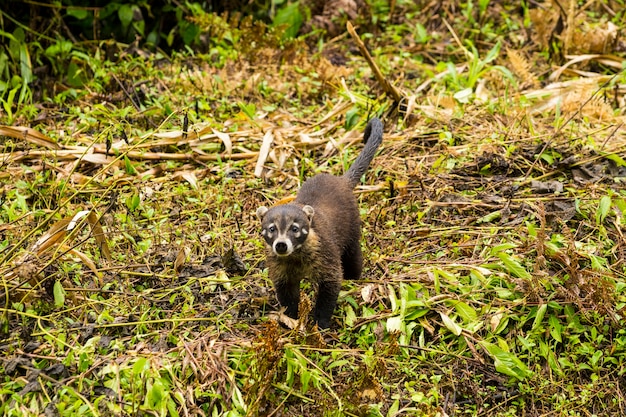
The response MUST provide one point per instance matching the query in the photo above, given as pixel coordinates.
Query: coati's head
(285, 228)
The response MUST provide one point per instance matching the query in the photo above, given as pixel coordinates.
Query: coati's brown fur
(317, 236)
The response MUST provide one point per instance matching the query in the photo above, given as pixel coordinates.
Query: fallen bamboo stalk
(69, 155)
(384, 83)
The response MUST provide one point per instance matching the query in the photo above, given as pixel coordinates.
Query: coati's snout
(285, 228)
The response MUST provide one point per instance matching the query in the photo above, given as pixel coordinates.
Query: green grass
(493, 223)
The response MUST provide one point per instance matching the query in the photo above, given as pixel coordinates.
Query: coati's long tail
(373, 136)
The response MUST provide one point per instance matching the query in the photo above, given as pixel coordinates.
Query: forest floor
(493, 222)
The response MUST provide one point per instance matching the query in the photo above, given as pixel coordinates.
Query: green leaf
(490, 217)
(595, 358)
(352, 117)
(190, 33)
(502, 247)
(128, 166)
(75, 75)
(541, 312)
(493, 53)
(125, 13)
(248, 109)
(8, 35)
(77, 12)
(620, 203)
(615, 158)
(59, 294)
(467, 313)
(513, 266)
(395, 407)
(140, 366)
(603, 209)
(556, 329)
(132, 202)
(463, 96)
(290, 17)
(59, 48)
(506, 362)
(451, 324)
(598, 263)
(305, 377)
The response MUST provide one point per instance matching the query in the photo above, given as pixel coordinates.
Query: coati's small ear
(260, 212)
(309, 211)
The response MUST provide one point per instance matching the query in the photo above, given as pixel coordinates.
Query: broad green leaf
(247, 109)
(25, 64)
(493, 53)
(620, 203)
(190, 33)
(526, 343)
(506, 362)
(553, 362)
(132, 202)
(513, 266)
(463, 96)
(598, 263)
(305, 377)
(352, 117)
(615, 158)
(338, 363)
(603, 209)
(125, 13)
(490, 217)
(76, 77)
(350, 315)
(290, 17)
(77, 12)
(140, 365)
(541, 312)
(532, 229)
(502, 247)
(450, 324)
(59, 294)
(466, 312)
(556, 328)
(393, 410)
(596, 358)
(128, 166)
(416, 314)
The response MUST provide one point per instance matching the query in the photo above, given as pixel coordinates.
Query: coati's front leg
(287, 291)
(352, 261)
(329, 286)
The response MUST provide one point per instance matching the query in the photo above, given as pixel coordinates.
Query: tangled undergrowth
(493, 221)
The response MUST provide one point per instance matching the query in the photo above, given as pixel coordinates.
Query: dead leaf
(225, 138)
(30, 135)
(268, 138)
(98, 159)
(181, 257)
(367, 293)
(61, 229)
(190, 177)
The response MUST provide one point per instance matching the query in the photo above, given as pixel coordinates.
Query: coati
(317, 236)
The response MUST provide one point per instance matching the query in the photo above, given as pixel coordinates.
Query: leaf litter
(493, 231)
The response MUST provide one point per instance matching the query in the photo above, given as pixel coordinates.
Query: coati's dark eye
(272, 229)
(295, 229)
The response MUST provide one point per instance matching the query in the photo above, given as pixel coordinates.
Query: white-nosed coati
(317, 236)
